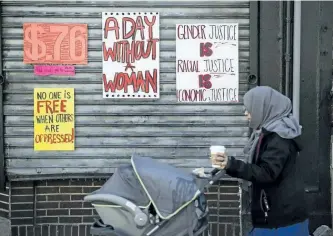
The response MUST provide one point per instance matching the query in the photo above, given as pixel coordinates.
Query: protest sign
(54, 119)
(48, 43)
(130, 55)
(207, 63)
(45, 70)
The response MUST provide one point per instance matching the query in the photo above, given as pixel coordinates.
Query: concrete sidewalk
(5, 229)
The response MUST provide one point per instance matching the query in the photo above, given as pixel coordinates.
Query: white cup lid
(215, 149)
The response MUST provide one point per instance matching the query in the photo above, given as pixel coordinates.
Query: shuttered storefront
(109, 131)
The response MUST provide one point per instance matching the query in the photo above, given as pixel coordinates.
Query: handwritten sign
(55, 43)
(54, 119)
(44, 70)
(130, 55)
(207, 63)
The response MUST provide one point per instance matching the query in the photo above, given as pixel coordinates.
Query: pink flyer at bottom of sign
(54, 70)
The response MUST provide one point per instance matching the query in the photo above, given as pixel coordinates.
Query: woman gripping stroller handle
(140, 218)
(214, 171)
(209, 178)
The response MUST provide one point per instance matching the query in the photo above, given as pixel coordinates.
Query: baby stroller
(150, 198)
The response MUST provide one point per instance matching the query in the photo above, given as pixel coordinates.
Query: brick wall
(60, 210)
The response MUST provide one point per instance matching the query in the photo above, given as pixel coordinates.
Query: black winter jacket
(275, 174)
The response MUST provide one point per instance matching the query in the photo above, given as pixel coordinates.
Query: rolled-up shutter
(108, 131)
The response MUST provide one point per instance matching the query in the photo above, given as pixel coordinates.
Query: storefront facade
(45, 189)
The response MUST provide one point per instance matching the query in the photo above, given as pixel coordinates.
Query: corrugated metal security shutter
(108, 132)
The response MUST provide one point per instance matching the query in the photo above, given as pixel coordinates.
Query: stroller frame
(140, 218)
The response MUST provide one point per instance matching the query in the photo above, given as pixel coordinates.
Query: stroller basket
(150, 198)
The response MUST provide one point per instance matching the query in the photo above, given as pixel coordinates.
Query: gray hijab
(270, 110)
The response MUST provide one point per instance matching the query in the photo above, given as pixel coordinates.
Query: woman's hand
(221, 160)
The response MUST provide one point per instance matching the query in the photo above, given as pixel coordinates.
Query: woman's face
(248, 115)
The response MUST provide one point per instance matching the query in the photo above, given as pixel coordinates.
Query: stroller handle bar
(140, 218)
(213, 176)
(217, 174)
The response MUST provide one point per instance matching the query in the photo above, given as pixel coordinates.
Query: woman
(270, 172)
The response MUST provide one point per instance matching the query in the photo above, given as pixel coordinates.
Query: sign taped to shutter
(207, 63)
(48, 43)
(54, 119)
(44, 70)
(131, 55)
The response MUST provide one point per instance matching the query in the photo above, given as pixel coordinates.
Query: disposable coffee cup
(214, 150)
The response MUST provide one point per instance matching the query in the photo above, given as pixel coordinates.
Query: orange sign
(55, 43)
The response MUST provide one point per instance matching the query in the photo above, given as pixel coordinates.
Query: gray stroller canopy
(168, 188)
(148, 181)
(124, 183)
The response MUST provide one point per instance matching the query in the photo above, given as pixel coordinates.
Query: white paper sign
(207, 63)
(131, 55)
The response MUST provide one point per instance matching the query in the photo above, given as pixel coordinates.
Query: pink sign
(54, 70)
